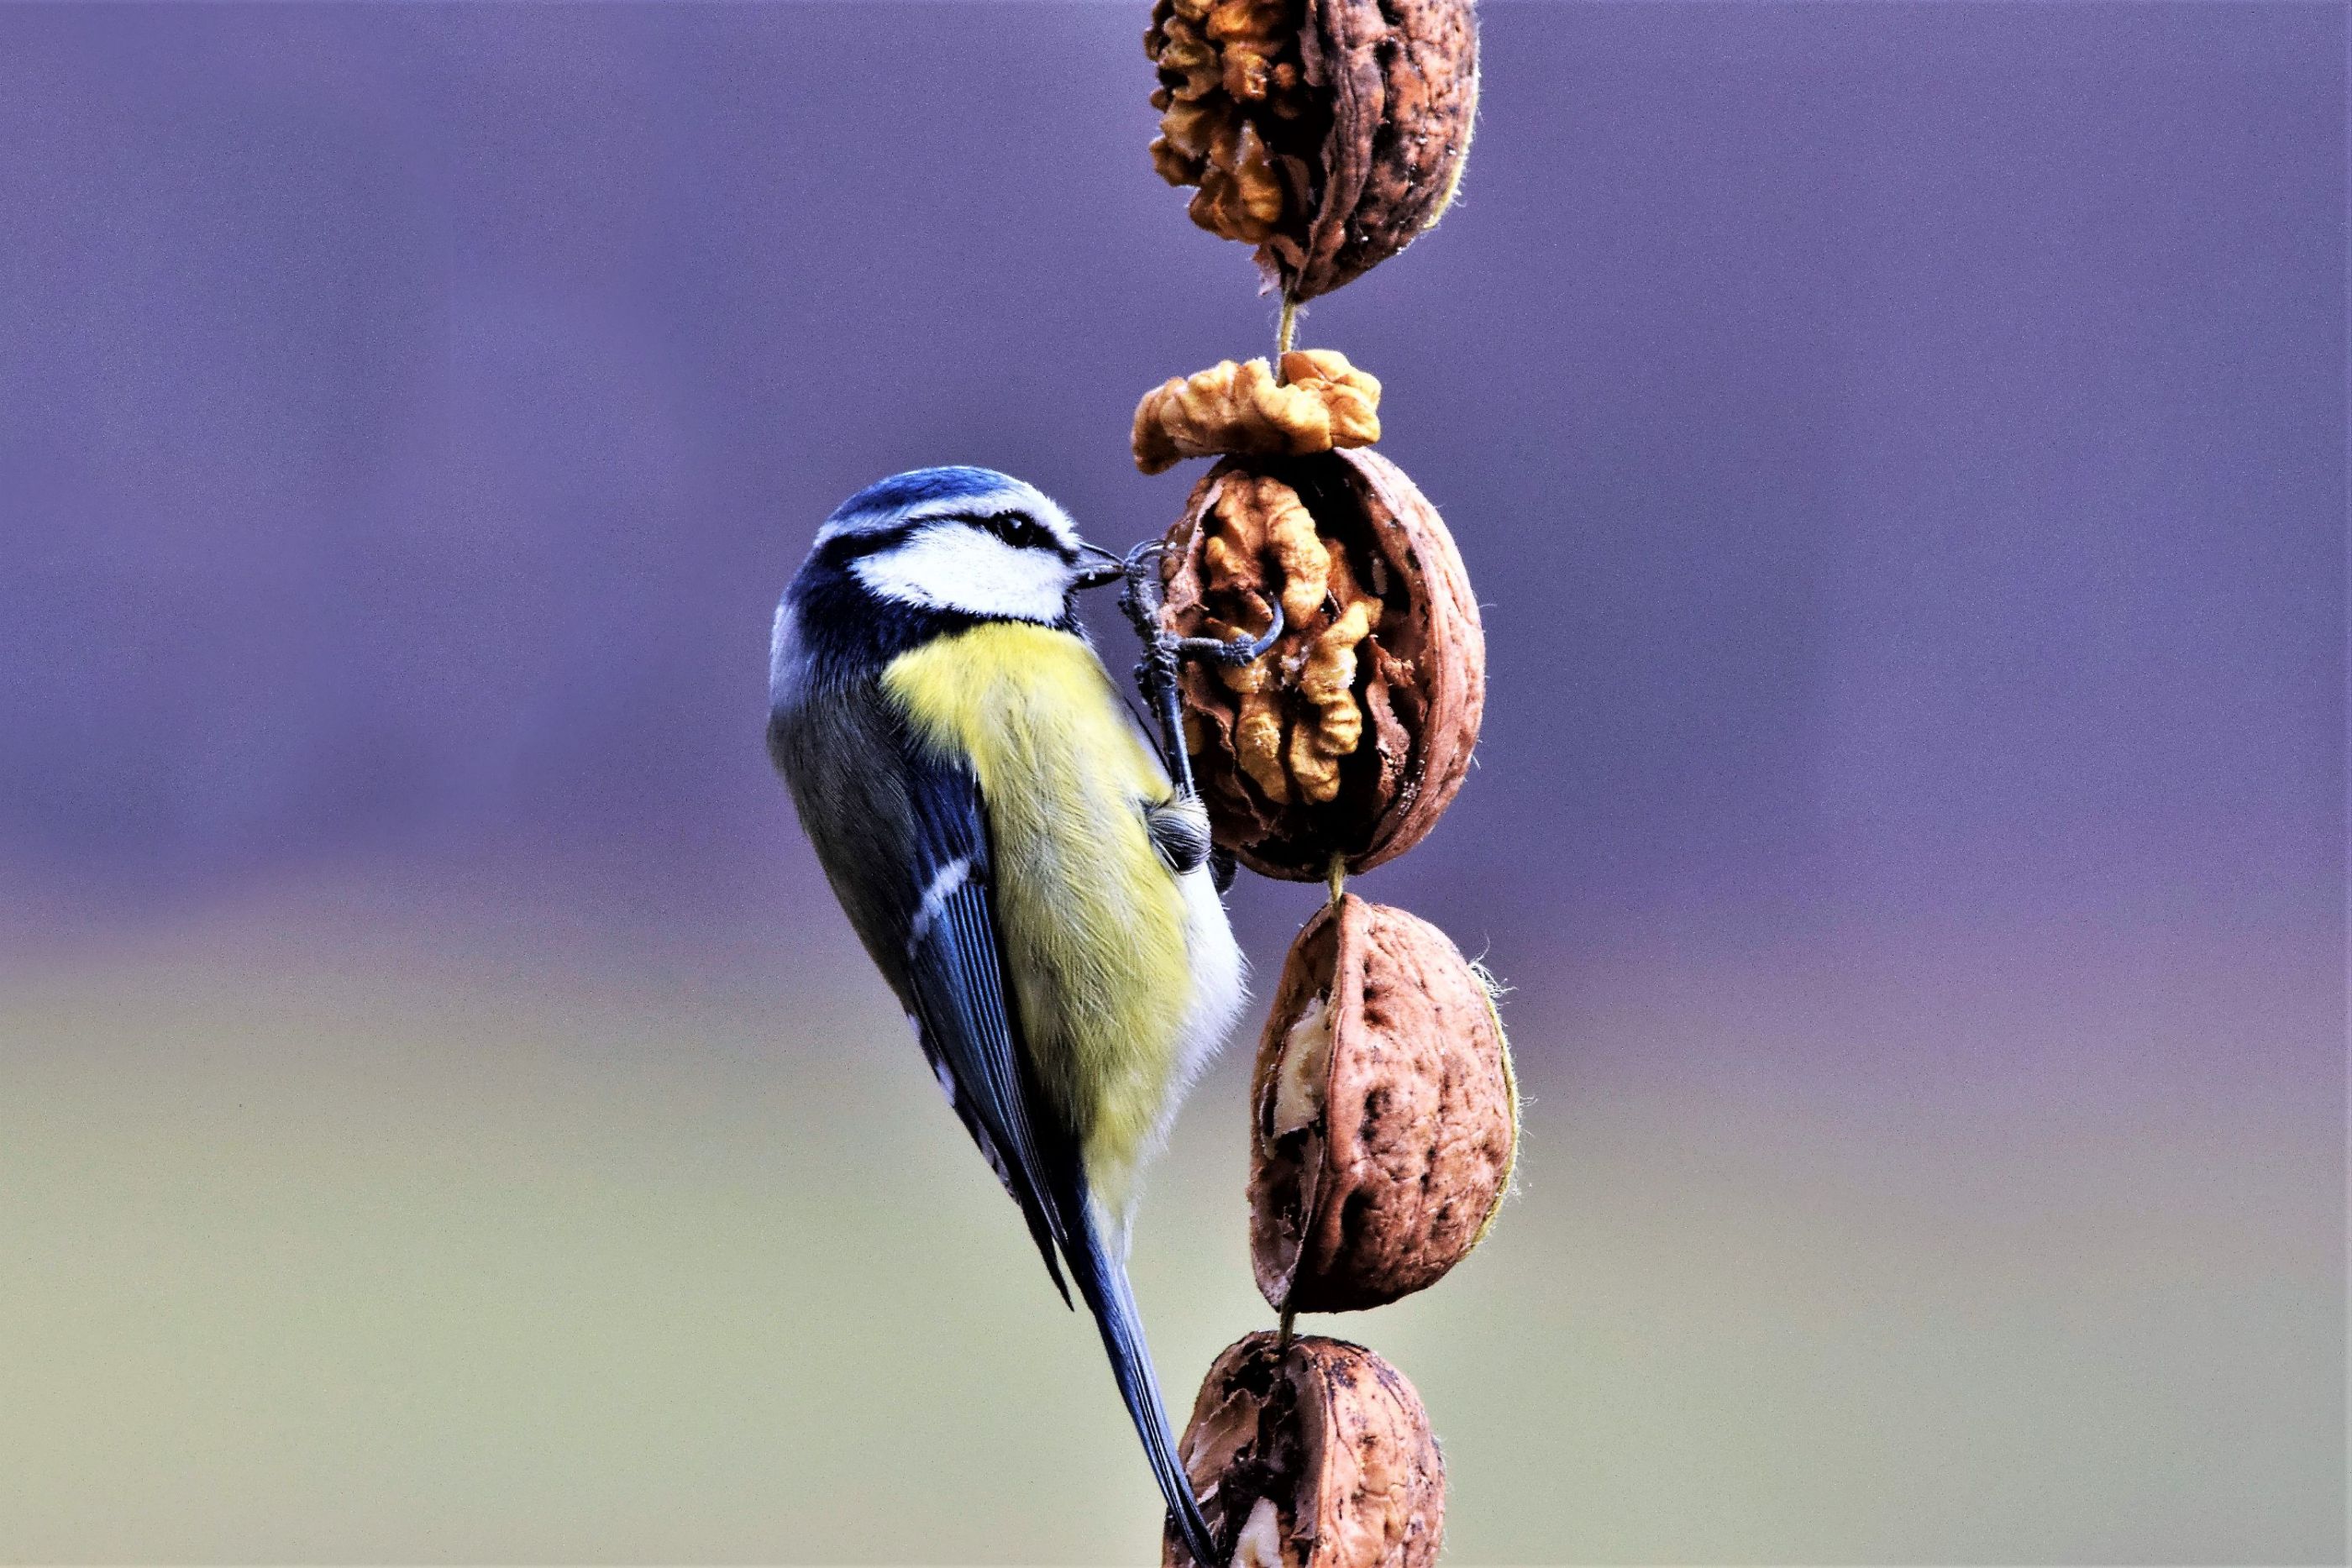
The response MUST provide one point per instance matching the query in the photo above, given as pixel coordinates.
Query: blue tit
(1012, 853)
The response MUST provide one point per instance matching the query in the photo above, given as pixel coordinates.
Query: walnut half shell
(1315, 1457)
(1326, 132)
(1349, 738)
(1386, 1116)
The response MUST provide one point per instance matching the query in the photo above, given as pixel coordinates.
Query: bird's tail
(1101, 1274)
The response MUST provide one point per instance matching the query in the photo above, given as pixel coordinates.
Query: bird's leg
(1156, 672)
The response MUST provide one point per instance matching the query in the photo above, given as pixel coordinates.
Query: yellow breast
(1093, 921)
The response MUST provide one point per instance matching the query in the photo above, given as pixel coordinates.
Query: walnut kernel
(1264, 539)
(1326, 132)
(1351, 734)
(1320, 403)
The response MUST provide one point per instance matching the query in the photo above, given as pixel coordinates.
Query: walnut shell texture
(1386, 1115)
(1318, 1456)
(1328, 133)
(1283, 800)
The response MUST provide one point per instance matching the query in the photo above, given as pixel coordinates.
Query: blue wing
(970, 1031)
(956, 986)
(904, 839)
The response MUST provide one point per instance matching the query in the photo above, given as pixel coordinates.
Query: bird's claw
(1237, 651)
(1142, 599)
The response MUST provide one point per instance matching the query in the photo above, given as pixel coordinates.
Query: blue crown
(920, 485)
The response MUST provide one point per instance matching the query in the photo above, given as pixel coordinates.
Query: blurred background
(443, 1116)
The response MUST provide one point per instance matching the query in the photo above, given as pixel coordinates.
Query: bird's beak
(1101, 569)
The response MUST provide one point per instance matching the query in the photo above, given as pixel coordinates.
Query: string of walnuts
(1384, 1116)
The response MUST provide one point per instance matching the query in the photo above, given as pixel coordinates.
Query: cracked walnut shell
(1385, 1114)
(1321, 402)
(1314, 1456)
(1326, 132)
(1350, 736)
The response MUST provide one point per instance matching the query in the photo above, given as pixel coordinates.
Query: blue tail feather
(1101, 1278)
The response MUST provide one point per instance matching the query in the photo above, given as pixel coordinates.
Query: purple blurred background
(1901, 451)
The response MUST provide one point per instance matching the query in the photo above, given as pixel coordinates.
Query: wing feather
(904, 838)
(955, 980)
(956, 971)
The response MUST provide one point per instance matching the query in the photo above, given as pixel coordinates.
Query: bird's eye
(1021, 530)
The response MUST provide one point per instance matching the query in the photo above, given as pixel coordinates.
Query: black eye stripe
(1020, 530)
(843, 549)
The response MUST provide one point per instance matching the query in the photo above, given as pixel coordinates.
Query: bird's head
(966, 541)
(937, 545)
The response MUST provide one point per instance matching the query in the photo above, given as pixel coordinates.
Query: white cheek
(962, 569)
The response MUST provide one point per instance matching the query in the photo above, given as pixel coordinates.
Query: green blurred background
(459, 1243)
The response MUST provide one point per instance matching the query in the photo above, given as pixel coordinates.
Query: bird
(1010, 849)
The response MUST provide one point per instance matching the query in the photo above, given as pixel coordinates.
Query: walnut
(1326, 132)
(1317, 1456)
(1321, 402)
(1351, 734)
(1259, 524)
(1386, 1114)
